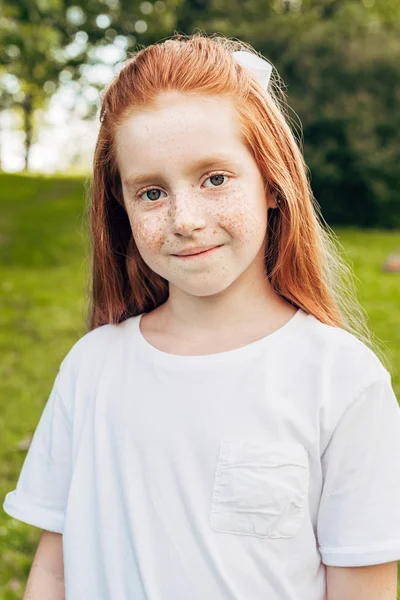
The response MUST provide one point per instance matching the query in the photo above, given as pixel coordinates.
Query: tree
(40, 39)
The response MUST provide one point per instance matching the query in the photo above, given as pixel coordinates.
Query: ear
(271, 196)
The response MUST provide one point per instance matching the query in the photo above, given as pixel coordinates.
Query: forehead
(179, 127)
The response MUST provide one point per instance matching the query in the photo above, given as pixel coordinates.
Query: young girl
(221, 432)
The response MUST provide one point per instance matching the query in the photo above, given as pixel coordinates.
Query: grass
(43, 265)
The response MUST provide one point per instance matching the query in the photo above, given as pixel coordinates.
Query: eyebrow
(133, 181)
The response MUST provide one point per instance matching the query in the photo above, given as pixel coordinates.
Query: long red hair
(302, 260)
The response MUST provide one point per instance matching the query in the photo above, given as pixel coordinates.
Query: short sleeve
(42, 489)
(359, 513)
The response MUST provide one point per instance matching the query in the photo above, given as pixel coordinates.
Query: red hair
(302, 260)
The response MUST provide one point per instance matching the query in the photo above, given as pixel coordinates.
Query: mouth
(199, 255)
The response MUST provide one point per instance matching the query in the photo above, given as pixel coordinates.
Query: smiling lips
(191, 255)
(194, 251)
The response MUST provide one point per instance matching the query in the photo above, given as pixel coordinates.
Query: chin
(203, 289)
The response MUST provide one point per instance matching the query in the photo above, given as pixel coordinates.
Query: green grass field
(43, 268)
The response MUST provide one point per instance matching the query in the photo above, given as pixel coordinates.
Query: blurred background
(339, 61)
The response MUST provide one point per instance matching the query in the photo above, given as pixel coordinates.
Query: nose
(187, 212)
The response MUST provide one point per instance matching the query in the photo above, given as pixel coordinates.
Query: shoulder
(338, 369)
(92, 344)
(348, 362)
(83, 363)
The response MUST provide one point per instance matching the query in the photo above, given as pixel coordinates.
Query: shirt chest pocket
(260, 489)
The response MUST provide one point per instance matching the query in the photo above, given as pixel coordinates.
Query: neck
(231, 310)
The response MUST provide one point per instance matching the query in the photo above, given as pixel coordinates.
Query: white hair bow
(257, 65)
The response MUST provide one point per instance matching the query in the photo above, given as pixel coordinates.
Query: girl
(220, 432)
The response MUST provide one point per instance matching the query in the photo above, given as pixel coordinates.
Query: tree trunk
(27, 106)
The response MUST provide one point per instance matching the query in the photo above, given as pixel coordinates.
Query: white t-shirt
(236, 475)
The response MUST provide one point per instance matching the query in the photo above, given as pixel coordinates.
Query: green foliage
(43, 268)
(344, 85)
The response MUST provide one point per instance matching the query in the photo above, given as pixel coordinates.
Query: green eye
(218, 179)
(153, 194)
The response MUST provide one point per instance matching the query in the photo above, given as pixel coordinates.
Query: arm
(46, 578)
(374, 582)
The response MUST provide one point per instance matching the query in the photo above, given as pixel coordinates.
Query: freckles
(148, 231)
(239, 217)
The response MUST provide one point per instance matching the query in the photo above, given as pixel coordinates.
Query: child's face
(187, 204)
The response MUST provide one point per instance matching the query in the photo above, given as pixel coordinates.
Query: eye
(217, 177)
(153, 194)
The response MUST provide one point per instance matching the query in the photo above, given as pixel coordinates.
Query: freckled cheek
(241, 219)
(148, 234)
